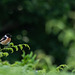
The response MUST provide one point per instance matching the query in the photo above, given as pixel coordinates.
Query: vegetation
(48, 27)
(28, 65)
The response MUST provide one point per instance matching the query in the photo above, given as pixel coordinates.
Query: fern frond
(61, 67)
(21, 47)
(4, 54)
(26, 45)
(16, 47)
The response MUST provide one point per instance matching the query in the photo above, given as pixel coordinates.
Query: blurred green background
(48, 26)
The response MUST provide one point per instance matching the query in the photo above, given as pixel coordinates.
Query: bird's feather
(4, 38)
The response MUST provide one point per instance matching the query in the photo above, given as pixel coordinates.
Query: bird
(6, 39)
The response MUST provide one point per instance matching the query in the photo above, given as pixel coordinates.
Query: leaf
(16, 48)
(21, 47)
(31, 54)
(23, 55)
(26, 45)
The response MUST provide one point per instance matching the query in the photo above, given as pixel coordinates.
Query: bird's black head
(8, 35)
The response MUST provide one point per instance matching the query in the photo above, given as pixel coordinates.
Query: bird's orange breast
(5, 42)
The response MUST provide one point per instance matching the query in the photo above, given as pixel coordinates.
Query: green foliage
(54, 26)
(44, 24)
(11, 46)
(22, 70)
(28, 64)
(45, 61)
(3, 54)
(61, 67)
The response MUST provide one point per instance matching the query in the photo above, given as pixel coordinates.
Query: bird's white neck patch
(5, 35)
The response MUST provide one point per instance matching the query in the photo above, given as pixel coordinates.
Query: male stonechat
(6, 39)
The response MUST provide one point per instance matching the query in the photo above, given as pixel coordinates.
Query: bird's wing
(3, 39)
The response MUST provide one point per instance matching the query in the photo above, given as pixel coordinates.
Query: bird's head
(8, 35)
